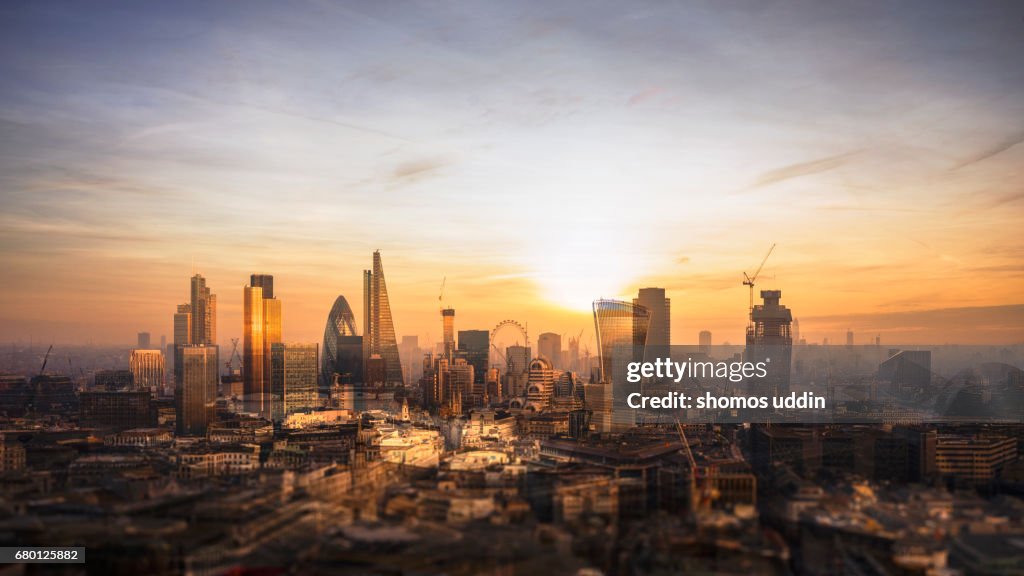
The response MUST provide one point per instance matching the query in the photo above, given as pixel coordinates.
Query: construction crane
(46, 359)
(231, 357)
(749, 281)
(440, 296)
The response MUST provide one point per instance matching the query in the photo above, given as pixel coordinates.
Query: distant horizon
(537, 156)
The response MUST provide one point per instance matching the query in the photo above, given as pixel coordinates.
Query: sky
(534, 156)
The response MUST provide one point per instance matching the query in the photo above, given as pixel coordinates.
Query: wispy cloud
(992, 151)
(804, 169)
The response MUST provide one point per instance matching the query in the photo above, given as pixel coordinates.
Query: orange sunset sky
(537, 157)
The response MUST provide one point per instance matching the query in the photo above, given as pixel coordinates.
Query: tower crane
(46, 359)
(230, 364)
(748, 280)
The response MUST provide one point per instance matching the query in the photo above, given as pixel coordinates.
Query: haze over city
(537, 157)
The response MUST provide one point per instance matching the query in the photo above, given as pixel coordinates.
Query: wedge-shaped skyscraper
(378, 327)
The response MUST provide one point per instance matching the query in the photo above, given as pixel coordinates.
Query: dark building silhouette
(342, 347)
(908, 371)
(769, 340)
(118, 410)
(474, 346)
(659, 333)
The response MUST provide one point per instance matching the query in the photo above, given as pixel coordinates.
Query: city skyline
(536, 157)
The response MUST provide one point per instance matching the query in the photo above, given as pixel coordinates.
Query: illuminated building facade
(196, 394)
(540, 385)
(261, 324)
(182, 335)
(147, 368)
(204, 313)
(448, 329)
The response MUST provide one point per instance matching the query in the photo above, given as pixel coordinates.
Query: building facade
(378, 326)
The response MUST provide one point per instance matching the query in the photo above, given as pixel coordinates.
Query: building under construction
(769, 340)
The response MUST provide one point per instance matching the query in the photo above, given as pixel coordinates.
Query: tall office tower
(769, 337)
(182, 337)
(475, 347)
(252, 347)
(378, 326)
(660, 307)
(796, 330)
(147, 368)
(621, 329)
(704, 340)
(849, 338)
(143, 341)
(196, 394)
(343, 348)
(448, 329)
(163, 341)
(261, 329)
(265, 281)
(549, 346)
(293, 379)
(204, 313)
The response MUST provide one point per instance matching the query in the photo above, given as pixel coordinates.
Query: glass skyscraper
(621, 329)
(293, 379)
(378, 326)
(342, 347)
(261, 325)
(196, 394)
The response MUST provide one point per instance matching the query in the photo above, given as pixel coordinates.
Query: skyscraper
(549, 347)
(293, 379)
(378, 327)
(769, 337)
(704, 341)
(196, 393)
(448, 329)
(204, 313)
(621, 329)
(261, 329)
(660, 307)
(182, 336)
(474, 346)
(252, 347)
(147, 368)
(342, 347)
(143, 341)
(265, 281)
